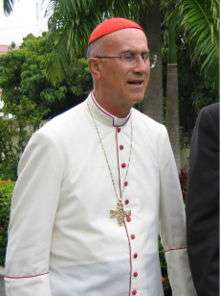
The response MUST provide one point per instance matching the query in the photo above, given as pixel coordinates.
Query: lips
(136, 82)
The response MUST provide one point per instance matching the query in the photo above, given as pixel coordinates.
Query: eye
(128, 56)
(145, 55)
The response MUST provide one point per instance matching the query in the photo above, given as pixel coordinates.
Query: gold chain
(119, 213)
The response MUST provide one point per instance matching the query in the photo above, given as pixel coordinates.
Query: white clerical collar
(104, 116)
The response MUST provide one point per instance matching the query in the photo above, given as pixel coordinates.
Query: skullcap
(111, 25)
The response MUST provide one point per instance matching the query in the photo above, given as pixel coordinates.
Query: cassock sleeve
(172, 222)
(33, 209)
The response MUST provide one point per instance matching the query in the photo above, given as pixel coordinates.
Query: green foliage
(6, 189)
(194, 88)
(19, 93)
(197, 24)
(9, 149)
(26, 114)
(28, 95)
(26, 91)
(200, 21)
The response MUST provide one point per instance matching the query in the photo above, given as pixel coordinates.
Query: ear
(95, 68)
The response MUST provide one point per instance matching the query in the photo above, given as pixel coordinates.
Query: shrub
(9, 148)
(6, 189)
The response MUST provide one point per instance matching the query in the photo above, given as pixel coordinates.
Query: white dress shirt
(62, 241)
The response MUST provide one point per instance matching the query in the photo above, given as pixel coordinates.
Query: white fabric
(60, 220)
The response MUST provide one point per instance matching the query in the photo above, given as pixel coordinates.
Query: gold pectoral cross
(119, 213)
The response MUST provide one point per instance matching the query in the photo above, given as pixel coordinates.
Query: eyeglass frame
(133, 57)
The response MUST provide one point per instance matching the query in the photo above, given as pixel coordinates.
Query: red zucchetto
(111, 25)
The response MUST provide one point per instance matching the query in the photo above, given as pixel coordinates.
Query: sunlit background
(28, 16)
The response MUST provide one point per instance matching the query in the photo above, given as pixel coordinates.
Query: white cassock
(62, 241)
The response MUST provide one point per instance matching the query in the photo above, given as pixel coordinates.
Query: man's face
(121, 80)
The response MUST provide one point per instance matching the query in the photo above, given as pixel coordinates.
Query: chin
(137, 99)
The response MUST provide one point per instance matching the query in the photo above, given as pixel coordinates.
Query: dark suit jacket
(202, 203)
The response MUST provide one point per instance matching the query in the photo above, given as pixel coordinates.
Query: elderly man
(97, 185)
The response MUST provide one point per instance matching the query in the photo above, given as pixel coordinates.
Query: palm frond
(200, 20)
(7, 6)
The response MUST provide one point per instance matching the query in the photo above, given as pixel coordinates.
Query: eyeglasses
(130, 58)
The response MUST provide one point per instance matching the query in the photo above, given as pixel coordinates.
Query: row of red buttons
(132, 236)
(135, 255)
(123, 165)
(121, 147)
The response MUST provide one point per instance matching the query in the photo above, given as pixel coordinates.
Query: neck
(107, 104)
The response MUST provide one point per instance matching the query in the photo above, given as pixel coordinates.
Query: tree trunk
(172, 111)
(153, 101)
(172, 95)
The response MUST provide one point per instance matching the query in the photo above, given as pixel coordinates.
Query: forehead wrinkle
(123, 41)
(130, 50)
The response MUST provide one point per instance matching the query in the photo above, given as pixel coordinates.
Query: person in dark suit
(202, 203)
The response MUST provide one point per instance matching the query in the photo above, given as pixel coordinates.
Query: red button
(118, 129)
(135, 255)
(135, 274)
(121, 147)
(126, 201)
(123, 165)
(125, 183)
(132, 236)
(134, 292)
(128, 219)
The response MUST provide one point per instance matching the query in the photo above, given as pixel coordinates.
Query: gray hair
(95, 48)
